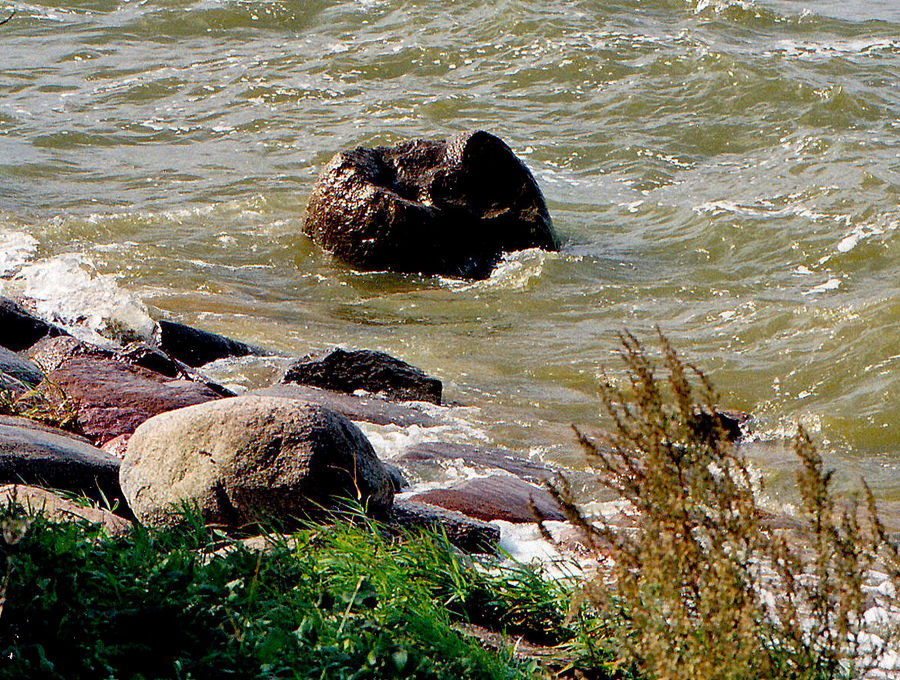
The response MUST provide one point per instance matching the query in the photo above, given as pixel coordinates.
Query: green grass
(341, 601)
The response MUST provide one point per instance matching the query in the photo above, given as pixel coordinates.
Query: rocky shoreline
(148, 432)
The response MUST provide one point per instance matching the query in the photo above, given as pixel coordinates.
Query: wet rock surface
(495, 497)
(112, 397)
(376, 372)
(196, 347)
(247, 458)
(365, 409)
(430, 454)
(43, 456)
(19, 329)
(430, 207)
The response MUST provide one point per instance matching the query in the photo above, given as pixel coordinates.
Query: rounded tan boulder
(247, 458)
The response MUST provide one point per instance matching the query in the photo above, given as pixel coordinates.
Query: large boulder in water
(431, 207)
(247, 458)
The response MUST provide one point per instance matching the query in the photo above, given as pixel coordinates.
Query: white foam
(66, 290)
(16, 248)
(831, 284)
(515, 271)
(391, 440)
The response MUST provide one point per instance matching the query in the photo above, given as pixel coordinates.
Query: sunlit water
(728, 171)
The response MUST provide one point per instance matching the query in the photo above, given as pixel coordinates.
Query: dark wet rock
(35, 500)
(376, 372)
(153, 359)
(467, 534)
(363, 409)
(495, 497)
(42, 456)
(196, 348)
(20, 369)
(19, 329)
(398, 479)
(112, 397)
(247, 458)
(436, 453)
(733, 424)
(432, 207)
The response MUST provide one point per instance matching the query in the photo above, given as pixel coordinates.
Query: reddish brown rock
(496, 497)
(117, 446)
(112, 397)
(34, 500)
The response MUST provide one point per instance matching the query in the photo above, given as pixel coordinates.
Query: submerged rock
(243, 459)
(431, 207)
(362, 409)
(376, 372)
(44, 456)
(20, 329)
(110, 396)
(435, 453)
(495, 497)
(196, 348)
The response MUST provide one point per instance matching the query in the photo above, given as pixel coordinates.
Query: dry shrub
(45, 403)
(705, 587)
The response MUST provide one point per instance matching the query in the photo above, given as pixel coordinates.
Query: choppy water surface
(728, 171)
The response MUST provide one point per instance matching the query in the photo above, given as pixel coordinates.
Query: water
(728, 171)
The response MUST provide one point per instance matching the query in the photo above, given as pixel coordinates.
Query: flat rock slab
(376, 372)
(112, 397)
(436, 453)
(431, 207)
(248, 458)
(195, 347)
(495, 497)
(43, 457)
(33, 499)
(19, 368)
(19, 329)
(364, 409)
(468, 534)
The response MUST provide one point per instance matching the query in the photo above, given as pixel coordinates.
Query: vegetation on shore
(706, 585)
(343, 600)
(709, 586)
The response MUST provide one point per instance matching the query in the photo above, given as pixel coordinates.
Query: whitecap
(66, 290)
(16, 248)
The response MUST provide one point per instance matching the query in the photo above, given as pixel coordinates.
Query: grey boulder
(245, 459)
(19, 368)
(39, 455)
